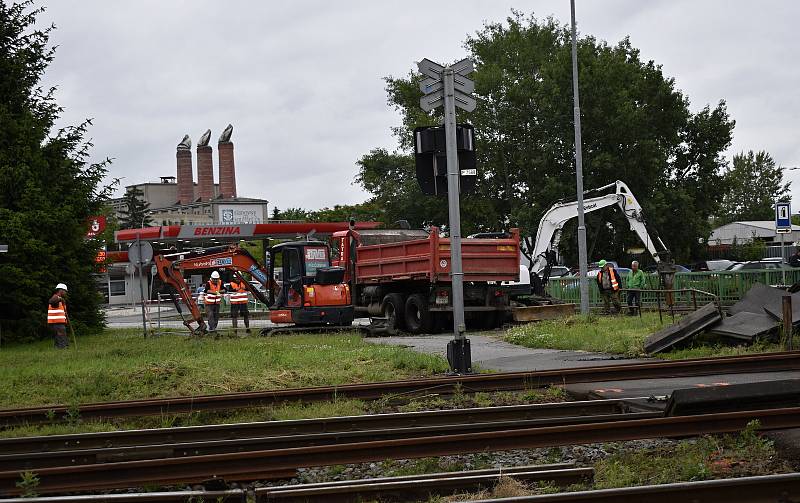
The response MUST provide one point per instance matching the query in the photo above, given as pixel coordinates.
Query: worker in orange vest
(609, 283)
(57, 317)
(212, 297)
(239, 301)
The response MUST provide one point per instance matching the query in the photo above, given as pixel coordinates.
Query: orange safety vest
(239, 294)
(56, 314)
(614, 283)
(212, 295)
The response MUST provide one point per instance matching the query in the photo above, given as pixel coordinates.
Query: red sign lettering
(218, 231)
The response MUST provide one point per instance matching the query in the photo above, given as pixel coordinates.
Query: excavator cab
(312, 293)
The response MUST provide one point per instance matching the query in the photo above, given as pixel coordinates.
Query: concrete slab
(686, 327)
(661, 387)
(757, 298)
(745, 326)
(491, 353)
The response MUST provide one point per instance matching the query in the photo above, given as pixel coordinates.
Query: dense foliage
(136, 212)
(637, 127)
(48, 188)
(752, 186)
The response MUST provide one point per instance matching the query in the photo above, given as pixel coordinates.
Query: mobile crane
(310, 292)
(543, 250)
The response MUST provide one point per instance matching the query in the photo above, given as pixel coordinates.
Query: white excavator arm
(549, 233)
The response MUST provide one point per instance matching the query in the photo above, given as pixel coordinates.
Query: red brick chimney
(205, 168)
(185, 173)
(227, 168)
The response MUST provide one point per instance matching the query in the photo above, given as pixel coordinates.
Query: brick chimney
(205, 168)
(227, 168)
(183, 156)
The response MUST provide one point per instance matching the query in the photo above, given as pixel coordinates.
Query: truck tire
(418, 317)
(393, 308)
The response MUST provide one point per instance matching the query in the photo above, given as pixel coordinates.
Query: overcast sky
(302, 81)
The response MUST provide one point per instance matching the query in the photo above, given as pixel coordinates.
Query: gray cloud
(301, 81)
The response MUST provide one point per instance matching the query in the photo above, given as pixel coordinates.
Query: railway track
(785, 361)
(86, 449)
(277, 463)
(784, 488)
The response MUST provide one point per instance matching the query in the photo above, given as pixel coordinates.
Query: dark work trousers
(634, 301)
(611, 297)
(60, 335)
(237, 309)
(212, 311)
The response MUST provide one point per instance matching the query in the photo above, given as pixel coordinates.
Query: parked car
(678, 268)
(760, 265)
(713, 265)
(558, 271)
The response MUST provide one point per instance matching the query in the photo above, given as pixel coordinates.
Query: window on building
(116, 284)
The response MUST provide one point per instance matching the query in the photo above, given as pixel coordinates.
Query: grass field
(622, 335)
(121, 365)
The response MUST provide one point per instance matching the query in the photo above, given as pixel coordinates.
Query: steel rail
(38, 460)
(420, 487)
(233, 495)
(783, 488)
(123, 438)
(783, 361)
(242, 466)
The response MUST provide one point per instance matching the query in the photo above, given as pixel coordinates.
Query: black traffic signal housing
(430, 155)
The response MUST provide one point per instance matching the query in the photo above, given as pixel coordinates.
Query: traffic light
(430, 154)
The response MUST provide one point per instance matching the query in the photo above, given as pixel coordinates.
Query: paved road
(492, 353)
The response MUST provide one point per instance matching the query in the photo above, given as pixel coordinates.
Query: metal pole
(453, 189)
(783, 271)
(141, 287)
(787, 321)
(583, 266)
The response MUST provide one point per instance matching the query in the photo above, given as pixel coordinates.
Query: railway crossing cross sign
(783, 217)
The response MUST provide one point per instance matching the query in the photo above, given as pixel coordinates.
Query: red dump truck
(404, 276)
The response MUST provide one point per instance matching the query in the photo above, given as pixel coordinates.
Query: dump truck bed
(483, 260)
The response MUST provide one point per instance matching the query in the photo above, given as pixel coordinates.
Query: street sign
(783, 217)
(433, 85)
(140, 252)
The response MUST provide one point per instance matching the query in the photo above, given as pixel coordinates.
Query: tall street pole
(582, 259)
(453, 181)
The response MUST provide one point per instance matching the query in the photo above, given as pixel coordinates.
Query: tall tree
(752, 186)
(48, 187)
(637, 127)
(136, 212)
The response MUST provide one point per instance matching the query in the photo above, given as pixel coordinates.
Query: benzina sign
(195, 231)
(218, 231)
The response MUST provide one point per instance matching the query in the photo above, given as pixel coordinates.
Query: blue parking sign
(783, 217)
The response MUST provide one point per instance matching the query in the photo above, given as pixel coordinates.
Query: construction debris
(686, 327)
(756, 315)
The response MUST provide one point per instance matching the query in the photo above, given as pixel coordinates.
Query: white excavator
(543, 251)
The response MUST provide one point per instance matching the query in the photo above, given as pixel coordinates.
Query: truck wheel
(393, 308)
(418, 318)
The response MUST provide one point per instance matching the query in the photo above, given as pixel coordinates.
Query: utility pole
(583, 265)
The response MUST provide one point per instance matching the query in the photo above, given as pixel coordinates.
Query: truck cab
(311, 291)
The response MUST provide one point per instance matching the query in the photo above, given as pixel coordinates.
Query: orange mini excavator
(310, 293)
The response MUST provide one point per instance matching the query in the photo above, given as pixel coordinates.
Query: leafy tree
(48, 188)
(637, 127)
(752, 186)
(136, 213)
(289, 214)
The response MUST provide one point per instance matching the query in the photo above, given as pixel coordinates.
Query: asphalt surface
(491, 353)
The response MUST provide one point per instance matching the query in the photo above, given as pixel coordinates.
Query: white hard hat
(61, 286)
(215, 275)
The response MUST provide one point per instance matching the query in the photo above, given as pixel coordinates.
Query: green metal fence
(728, 286)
